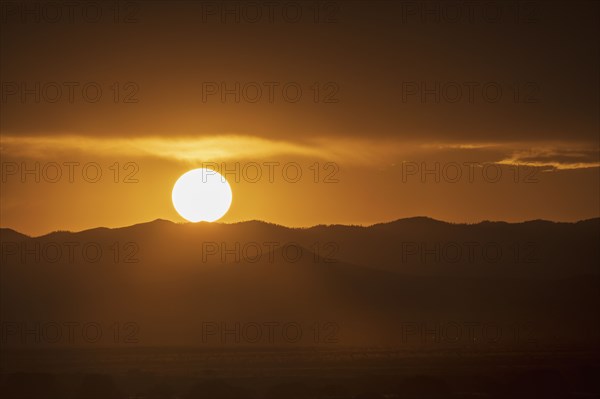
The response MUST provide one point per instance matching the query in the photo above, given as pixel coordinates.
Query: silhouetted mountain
(387, 284)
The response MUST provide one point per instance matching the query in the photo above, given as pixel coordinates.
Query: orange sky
(363, 104)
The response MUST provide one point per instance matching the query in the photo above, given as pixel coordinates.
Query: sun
(202, 195)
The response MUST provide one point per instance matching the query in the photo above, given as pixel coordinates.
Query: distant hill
(346, 285)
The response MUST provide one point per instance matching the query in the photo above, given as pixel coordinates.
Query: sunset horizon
(361, 225)
(311, 199)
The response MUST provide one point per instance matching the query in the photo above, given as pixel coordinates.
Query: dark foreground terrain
(299, 373)
(415, 308)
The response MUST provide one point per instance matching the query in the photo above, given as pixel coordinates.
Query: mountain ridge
(396, 222)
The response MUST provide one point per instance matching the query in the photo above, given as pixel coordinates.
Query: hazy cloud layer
(191, 150)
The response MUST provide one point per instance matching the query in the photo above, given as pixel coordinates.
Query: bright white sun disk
(202, 195)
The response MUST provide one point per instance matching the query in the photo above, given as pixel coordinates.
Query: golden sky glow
(354, 181)
(192, 150)
(383, 120)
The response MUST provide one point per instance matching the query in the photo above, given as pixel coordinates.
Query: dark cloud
(448, 71)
